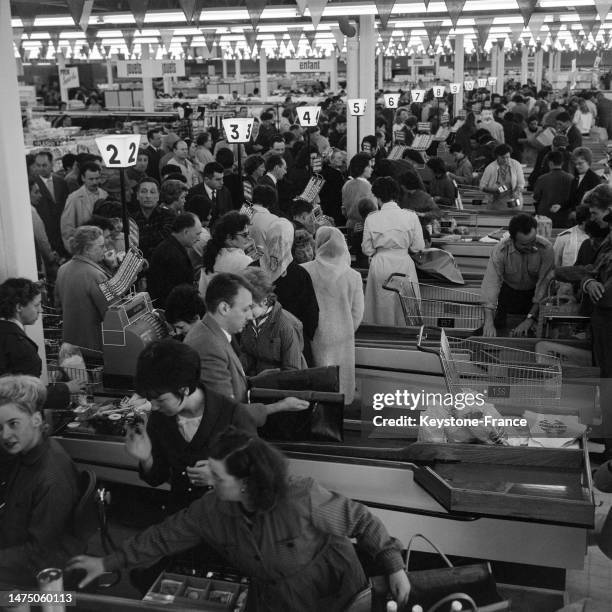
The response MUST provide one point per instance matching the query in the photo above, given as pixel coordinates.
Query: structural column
(501, 70)
(224, 67)
(494, 54)
(109, 72)
(459, 59)
(263, 74)
(539, 67)
(352, 91)
(61, 64)
(367, 61)
(148, 95)
(17, 255)
(238, 75)
(524, 64)
(381, 70)
(333, 75)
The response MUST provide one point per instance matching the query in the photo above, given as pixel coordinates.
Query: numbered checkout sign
(357, 106)
(481, 83)
(391, 100)
(308, 115)
(455, 88)
(438, 91)
(469, 85)
(417, 95)
(238, 130)
(119, 150)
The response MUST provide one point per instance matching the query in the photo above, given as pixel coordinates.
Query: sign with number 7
(418, 95)
(238, 130)
(119, 150)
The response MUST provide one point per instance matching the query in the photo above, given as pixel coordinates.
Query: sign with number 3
(238, 130)
(119, 150)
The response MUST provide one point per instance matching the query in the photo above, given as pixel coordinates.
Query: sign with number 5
(308, 115)
(119, 150)
(391, 100)
(357, 106)
(238, 130)
(418, 95)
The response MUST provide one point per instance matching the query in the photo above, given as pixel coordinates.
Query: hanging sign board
(482, 82)
(150, 68)
(308, 115)
(357, 106)
(119, 150)
(391, 100)
(238, 130)
(69, 77)
(455, 88)
(309, 65)
(469, 85)
(492, 81)
(438, 91)
(417, 95)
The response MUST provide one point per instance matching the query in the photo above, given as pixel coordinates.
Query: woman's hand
(199, 475)
(94, 566)
(75, 386)
(399, 585)
(138, 444)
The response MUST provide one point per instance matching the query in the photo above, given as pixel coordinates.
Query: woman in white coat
(388, 235)
(340, 296)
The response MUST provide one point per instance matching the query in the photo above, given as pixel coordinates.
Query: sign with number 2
(119, 150)
(238, 130)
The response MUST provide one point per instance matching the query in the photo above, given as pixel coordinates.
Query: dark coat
(50, 210)
(590, 181)
(169, 266)
(155, 156)
(223, 204)
(331, 194)
(40, 493)
(172, 453)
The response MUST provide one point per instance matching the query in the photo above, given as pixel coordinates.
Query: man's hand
(522, 329)
(289, 404)
(138, 443)
(555, 208)
(199, 474)
(94, 566)
(488, 330)
(399, 585)
(594, 290)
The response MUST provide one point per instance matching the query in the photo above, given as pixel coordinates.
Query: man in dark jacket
(214, 190)
(155, 152)
(170, 264)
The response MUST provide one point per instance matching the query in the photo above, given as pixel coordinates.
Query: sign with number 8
(308, 115)
(238, 130)
(119, 150)
(357, 106)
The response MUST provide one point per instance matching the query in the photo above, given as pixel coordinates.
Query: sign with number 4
(469, 85)
(392, 100)
(238, 130)
(455, 88)
(308, 115)
(438, 91)
(119, 150)
(418, 95)
(357, 106)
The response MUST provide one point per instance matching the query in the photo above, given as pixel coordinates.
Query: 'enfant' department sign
(309, 65)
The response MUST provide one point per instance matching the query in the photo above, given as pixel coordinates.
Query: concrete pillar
(148, 95)
(381, 71)
(557, 62)
(414, 72)
(494, 54)
(333, 75)
(459, 59)
(551, 65)
(539, 67)
(501, 70)
(17, 255)
(238, 75)
(367, 60)
(168, 85)
(224, 68)
(263, 74)
(352, 91)
(109, 72)
(524, 64)
(61, 63)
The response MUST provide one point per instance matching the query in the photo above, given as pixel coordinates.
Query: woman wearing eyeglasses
(225, 251)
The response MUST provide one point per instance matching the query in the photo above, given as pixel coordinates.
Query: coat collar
(34, 455)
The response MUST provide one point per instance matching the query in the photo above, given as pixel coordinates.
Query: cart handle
(389, 281)
(422, 336)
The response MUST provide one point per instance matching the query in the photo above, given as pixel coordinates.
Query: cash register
(129, 325)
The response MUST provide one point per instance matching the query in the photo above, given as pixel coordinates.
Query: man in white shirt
(264, 198)
(181, 159)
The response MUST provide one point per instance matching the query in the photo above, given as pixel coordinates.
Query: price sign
(418, 95)
(119, 150)
(482, 82)
(308, 115)
(469, 85)
(357, 106)
(492, 81)
(391, 100)
(69, 77)
(438, 91)
(455, 88)
(238, 130)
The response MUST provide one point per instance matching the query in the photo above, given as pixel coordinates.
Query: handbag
(322, 421)
(432, 589)
(310, 379)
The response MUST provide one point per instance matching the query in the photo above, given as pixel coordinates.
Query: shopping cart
(52, 331)
(504, 375)
(435, 306)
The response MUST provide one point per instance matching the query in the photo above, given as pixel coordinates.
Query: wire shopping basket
(434, 306)
(91, 377)
(504, 375)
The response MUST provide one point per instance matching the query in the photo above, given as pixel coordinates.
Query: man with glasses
(516, 278)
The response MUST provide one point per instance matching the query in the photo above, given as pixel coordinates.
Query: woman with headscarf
(292, 285)
(340, 296)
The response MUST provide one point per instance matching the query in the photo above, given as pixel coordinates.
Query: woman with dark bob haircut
(289, 534)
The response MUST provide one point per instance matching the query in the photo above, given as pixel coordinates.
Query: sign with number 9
(238, 130)
(418, 95)
(357, 106)
(119, 150)
(392, 100)
(308, 115)
(455, 88)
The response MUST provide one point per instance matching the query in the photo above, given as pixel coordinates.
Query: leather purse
(322, 421)
(310, 379)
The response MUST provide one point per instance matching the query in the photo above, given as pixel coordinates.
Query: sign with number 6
(455, 88)
(438, 91)
(308, 115)
(238, 130)
(418, 95)
(469, 85)
(119, 150)
(357, 106)
(391, 100)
